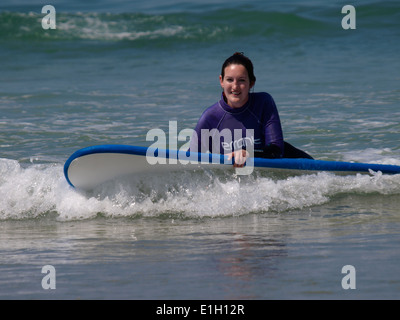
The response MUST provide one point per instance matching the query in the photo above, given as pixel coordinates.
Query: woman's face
(236, 85)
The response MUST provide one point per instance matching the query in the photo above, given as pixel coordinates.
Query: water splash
(37, 190)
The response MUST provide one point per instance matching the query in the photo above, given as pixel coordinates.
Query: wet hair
(240, 58)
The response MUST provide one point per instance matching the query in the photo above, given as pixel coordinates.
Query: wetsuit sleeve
(272, 131)
(196, 143)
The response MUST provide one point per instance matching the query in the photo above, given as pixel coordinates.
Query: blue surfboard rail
(291, 164)
(143, 151)
(323, 165)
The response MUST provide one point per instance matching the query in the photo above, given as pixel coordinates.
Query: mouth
(236, 94)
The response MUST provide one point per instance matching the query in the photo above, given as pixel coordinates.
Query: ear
(221, 81)
(252, 84)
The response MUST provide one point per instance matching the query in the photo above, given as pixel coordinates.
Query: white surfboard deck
(92, 166)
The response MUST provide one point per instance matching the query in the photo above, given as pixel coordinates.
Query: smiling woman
(240, 110)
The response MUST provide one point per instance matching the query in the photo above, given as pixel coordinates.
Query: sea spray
(36, 190)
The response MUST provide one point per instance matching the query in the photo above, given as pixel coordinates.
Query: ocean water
(113, 70)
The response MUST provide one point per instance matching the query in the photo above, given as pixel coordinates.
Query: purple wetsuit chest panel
(259, 114)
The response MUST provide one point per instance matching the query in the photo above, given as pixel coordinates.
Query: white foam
(373, 155)
(96, 26)
(40, 189)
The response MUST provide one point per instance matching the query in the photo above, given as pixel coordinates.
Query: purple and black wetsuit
(259, 113)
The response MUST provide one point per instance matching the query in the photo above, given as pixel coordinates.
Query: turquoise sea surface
(113, 70)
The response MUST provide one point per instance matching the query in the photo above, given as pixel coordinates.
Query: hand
(240, 157)
(272, 151)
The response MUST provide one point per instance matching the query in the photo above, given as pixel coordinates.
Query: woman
(237, 111)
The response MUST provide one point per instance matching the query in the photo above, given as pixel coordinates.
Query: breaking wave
(35, 191)
(214, 25)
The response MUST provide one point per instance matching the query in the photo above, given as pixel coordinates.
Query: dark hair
(240, 58)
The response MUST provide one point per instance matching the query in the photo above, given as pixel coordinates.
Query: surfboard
(91, 166)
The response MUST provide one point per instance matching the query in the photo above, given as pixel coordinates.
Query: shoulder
(262, 101)
(262, 97)
(211, 116)
(214, 111)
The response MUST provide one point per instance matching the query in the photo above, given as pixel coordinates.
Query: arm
(196, 142)
(273, 134)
